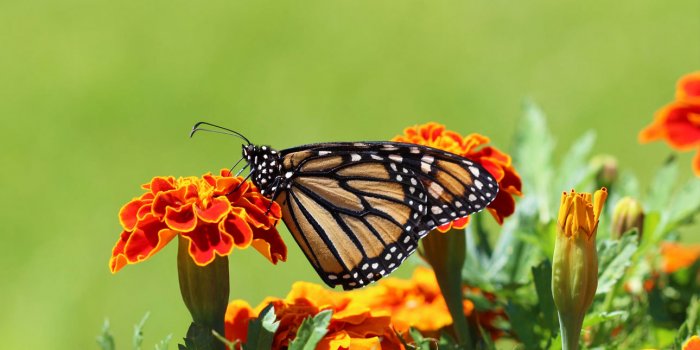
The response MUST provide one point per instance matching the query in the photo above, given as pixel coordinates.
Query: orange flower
(199, 210)
(418, 303)
(473, 147)
(693, 343)
(365, 318)
(676, 256)
(353, 325)
(678, 123)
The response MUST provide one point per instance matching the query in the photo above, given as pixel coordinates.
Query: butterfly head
(265, 167)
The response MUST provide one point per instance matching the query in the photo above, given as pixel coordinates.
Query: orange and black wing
(357, 210)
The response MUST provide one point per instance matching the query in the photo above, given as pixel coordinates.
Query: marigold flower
(678, 123)
(676, 256)
(575, 262)
(353, 325)
(201, 211)
(693, 343)
(473, 147)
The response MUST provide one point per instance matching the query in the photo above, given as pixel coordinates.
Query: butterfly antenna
(240, 171)
(222, 130)
(230, 170)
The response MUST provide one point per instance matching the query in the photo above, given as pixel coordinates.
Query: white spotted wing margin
(357, 210)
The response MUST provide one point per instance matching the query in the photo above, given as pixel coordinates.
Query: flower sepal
(205, 291)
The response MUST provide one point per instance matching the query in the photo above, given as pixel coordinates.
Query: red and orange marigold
(352, 326)
(678, 123)
(203, 212)
(474, 147)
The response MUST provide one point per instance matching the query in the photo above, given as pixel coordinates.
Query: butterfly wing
(357, 210)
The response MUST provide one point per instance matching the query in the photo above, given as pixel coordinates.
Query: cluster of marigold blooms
(678, 123)
(214, 220)
(370, 318)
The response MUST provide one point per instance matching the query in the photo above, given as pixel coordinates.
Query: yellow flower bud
(575, 262)
(628, 214)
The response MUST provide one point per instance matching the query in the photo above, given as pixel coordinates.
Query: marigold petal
(693, 343)
(502, 206)
(655, 131)
(682, 126)
(270, 244)
(238, 315)
(163, 200)
(128, 214)
(256, 206)
(147, 239)
(688, 88)
(181, 219)
(677, 256)
(206, 242)
(236, 226)
(218, 208)
(162, 184)
(343, 340)
(118, 260)
(696, 163)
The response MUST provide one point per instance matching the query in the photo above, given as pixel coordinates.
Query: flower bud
(575, 262)
(605, 170)
(628, 214)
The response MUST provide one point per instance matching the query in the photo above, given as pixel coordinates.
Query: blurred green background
(96, 97)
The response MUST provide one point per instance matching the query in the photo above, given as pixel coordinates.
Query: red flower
(678, 123)
(473, 147)
(199, 210)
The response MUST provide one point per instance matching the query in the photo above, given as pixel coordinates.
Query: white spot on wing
(474, 170)
(395, 157)
(323, 153)
(355, 157)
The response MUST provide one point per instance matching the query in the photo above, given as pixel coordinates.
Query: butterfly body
(358, 209)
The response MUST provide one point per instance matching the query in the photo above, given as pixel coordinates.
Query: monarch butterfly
(358, 209)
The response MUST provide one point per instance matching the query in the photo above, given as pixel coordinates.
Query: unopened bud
(628, 215)
(606, 170)
(575, 262)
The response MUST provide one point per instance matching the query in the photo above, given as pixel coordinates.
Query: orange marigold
(676, 256)
(418, 303)
(693, 343)
(353, 325)
(473, 147)
(201, 211)
(678, 123)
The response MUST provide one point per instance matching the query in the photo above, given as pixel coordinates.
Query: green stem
(205, 291)
(570, 331)
(446, 253)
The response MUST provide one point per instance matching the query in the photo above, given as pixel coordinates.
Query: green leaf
(614, 257)
(685, 204)
(163, 344)
(532, 156)
(522, 323)
(420, 342)
(542, 275)
(137, 339)
(661, 186)
(311, 331)
(600, 317)
(261, 330)
(105, 340)
(691, 326)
